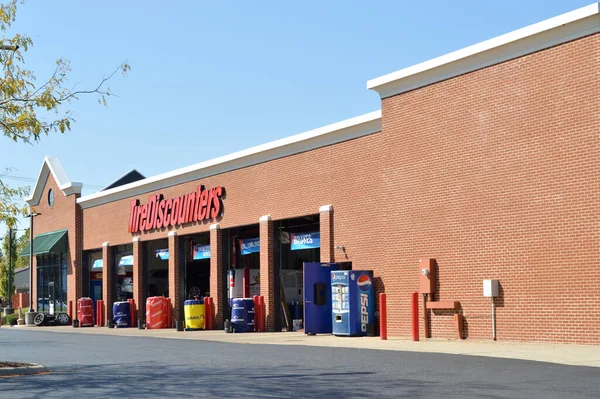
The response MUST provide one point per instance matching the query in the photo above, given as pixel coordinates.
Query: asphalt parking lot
(96, 366)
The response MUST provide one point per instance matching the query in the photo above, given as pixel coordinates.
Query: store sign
(203, 204)
(201, 252)
(249, 246)
(305, 241)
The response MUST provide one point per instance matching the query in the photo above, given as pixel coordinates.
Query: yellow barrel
(193, 310)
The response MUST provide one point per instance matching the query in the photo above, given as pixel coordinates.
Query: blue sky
(209, 79)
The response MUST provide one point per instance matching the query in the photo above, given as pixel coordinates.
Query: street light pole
(9, 282)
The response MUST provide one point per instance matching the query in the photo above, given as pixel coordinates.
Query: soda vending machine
(353, 307)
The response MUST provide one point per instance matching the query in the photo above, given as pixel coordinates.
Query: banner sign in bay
(305, 240)
(249, 246)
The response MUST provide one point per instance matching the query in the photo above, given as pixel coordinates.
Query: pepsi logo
(364, 282)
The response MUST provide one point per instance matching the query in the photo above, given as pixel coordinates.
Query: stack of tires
(157, 312)
(85, 312)
(242, 315)
(121, 314)
(193, 310)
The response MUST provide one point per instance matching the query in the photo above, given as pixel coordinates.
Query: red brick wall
(496, 175)
(174, 274)
(493, 173)
(217, 275)
(62, 215)
(346, 175)
(267, 272)
(140, 279)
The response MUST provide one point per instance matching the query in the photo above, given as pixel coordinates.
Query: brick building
(485, 159)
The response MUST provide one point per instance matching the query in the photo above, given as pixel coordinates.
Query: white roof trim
(327, 135)
(51, 165)
(551, 32)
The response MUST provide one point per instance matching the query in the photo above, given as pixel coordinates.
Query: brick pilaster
(216, 273)
(326, 221)
(108, 286)
(174, 274)
(267, 270)
(139, 278)
(78, 266)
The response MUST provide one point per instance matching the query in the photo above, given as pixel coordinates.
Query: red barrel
(85, 312)
(156, 312)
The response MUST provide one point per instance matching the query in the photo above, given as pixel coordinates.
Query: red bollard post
(102, 317)
(261, 300)
(71, 310)
(206, 309)
(256, 309)
(99, 318)
(382, 317)
(211, 315)
(415, 316)
(207, 314)
(132, 312)
(257, 314)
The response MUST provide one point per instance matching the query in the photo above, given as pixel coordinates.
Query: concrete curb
(17, 371)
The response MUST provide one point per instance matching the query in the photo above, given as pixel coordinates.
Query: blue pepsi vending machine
(353, 302)
(317, 297)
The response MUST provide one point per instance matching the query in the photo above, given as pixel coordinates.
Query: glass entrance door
(52, 283)
(51, 297)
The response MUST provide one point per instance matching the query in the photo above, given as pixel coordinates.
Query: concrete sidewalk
(568, 354)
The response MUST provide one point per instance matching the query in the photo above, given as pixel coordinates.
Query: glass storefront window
(52, 282)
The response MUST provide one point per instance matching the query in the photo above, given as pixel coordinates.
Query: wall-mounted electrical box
(490, 288)
(427, 276)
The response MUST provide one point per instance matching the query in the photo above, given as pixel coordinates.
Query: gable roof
(551, 32)
(127, 178)
(52, 166)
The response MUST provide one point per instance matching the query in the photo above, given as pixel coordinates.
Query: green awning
(52, 242)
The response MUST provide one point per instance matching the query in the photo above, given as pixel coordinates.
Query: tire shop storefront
(261, 213)
(482, 164)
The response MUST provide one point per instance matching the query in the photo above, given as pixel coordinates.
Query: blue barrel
(121, 314)
(242, 315)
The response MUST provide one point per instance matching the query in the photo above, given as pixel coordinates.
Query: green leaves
(9, 209)
(18, 244)
(30, 109)
(25, 104)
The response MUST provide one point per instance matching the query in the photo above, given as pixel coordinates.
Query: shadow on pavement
(139, 381)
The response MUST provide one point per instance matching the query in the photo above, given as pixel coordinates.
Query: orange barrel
(156, 312)
(85, 312)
